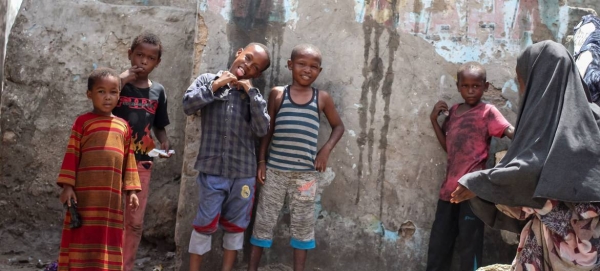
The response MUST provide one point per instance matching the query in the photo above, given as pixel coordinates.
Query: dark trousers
(452, 222)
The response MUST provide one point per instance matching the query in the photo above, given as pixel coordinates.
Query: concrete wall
(8, 12)
(3, 15)
(53, 46)
(385, 64)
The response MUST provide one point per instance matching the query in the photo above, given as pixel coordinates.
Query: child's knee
(199, 243)
(206, 226)
(233, 240)
(238, 226)
(303, 244)
(135, 226)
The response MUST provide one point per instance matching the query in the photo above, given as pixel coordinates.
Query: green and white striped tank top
(294, 142)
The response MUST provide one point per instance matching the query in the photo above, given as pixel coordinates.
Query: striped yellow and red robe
(100, 165)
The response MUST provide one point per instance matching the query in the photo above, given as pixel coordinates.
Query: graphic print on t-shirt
(143, 109)
(139, 103)
(142, 142)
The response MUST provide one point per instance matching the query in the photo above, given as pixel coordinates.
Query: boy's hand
(130, 75)
(225, 78)
(67, 194)
(461, 194)
(165, 146)
(439, 107)
(321, 160)
(261, 172)
(245, 84)
(134, 202)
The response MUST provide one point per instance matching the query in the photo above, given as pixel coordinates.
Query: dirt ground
(150, 261)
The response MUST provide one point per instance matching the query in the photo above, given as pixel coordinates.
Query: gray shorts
(301, 188)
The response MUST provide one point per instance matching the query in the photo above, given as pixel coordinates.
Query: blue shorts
(224, 202)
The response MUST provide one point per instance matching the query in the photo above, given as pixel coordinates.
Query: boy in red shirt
(143, 104)
(465, 136)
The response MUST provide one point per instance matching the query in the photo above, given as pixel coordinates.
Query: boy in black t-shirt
(143, 104)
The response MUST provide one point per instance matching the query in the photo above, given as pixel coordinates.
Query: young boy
(98, 165)
(295, 112)
(465, 136)
(233, 114)
(143, 104)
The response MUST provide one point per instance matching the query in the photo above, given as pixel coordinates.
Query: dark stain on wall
(257, 21)
(378, 75)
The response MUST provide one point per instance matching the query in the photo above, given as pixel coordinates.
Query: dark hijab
(555, 153)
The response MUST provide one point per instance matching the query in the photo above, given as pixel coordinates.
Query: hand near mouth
(225, 78)
(245, 84)
(130, 75)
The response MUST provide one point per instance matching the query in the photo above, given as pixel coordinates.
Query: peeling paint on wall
(464, 31)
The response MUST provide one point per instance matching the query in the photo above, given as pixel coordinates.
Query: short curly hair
(147, 37)
(101, 72)
(472, 66)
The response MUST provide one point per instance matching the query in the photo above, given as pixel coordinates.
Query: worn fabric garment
(200, 243)
(99, 164)
(225, 203)
(555, 153)
(301, 189)
(468, 138)
(134, 219)
(294, 142)
(143, 108)
(455, 223)
(231, 121)
(587, 53)
(558, 236)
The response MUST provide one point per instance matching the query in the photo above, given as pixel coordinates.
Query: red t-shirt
(468, 139)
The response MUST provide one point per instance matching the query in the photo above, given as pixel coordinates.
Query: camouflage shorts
(301, 188)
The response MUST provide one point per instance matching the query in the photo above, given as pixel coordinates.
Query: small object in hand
(75, 217)
(157, 152)
(445, 113)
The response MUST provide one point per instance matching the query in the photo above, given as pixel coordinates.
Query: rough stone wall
(3, 28)
(47, 64)
(385, 63)
(186, 4)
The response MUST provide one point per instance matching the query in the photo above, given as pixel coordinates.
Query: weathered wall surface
(54, 45)
(8, 13)
(186, 4)
(3, 18)
(385, 63)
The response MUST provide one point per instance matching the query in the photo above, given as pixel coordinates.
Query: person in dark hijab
(549, 180)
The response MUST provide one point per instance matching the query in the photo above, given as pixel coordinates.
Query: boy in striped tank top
(293, 161)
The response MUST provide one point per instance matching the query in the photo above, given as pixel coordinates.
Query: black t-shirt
(143, 108)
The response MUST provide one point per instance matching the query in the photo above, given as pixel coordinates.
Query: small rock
(23, 259)
(170, 255)
(143, 261)
(39, 264)
(3, 202)
(9, 137)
